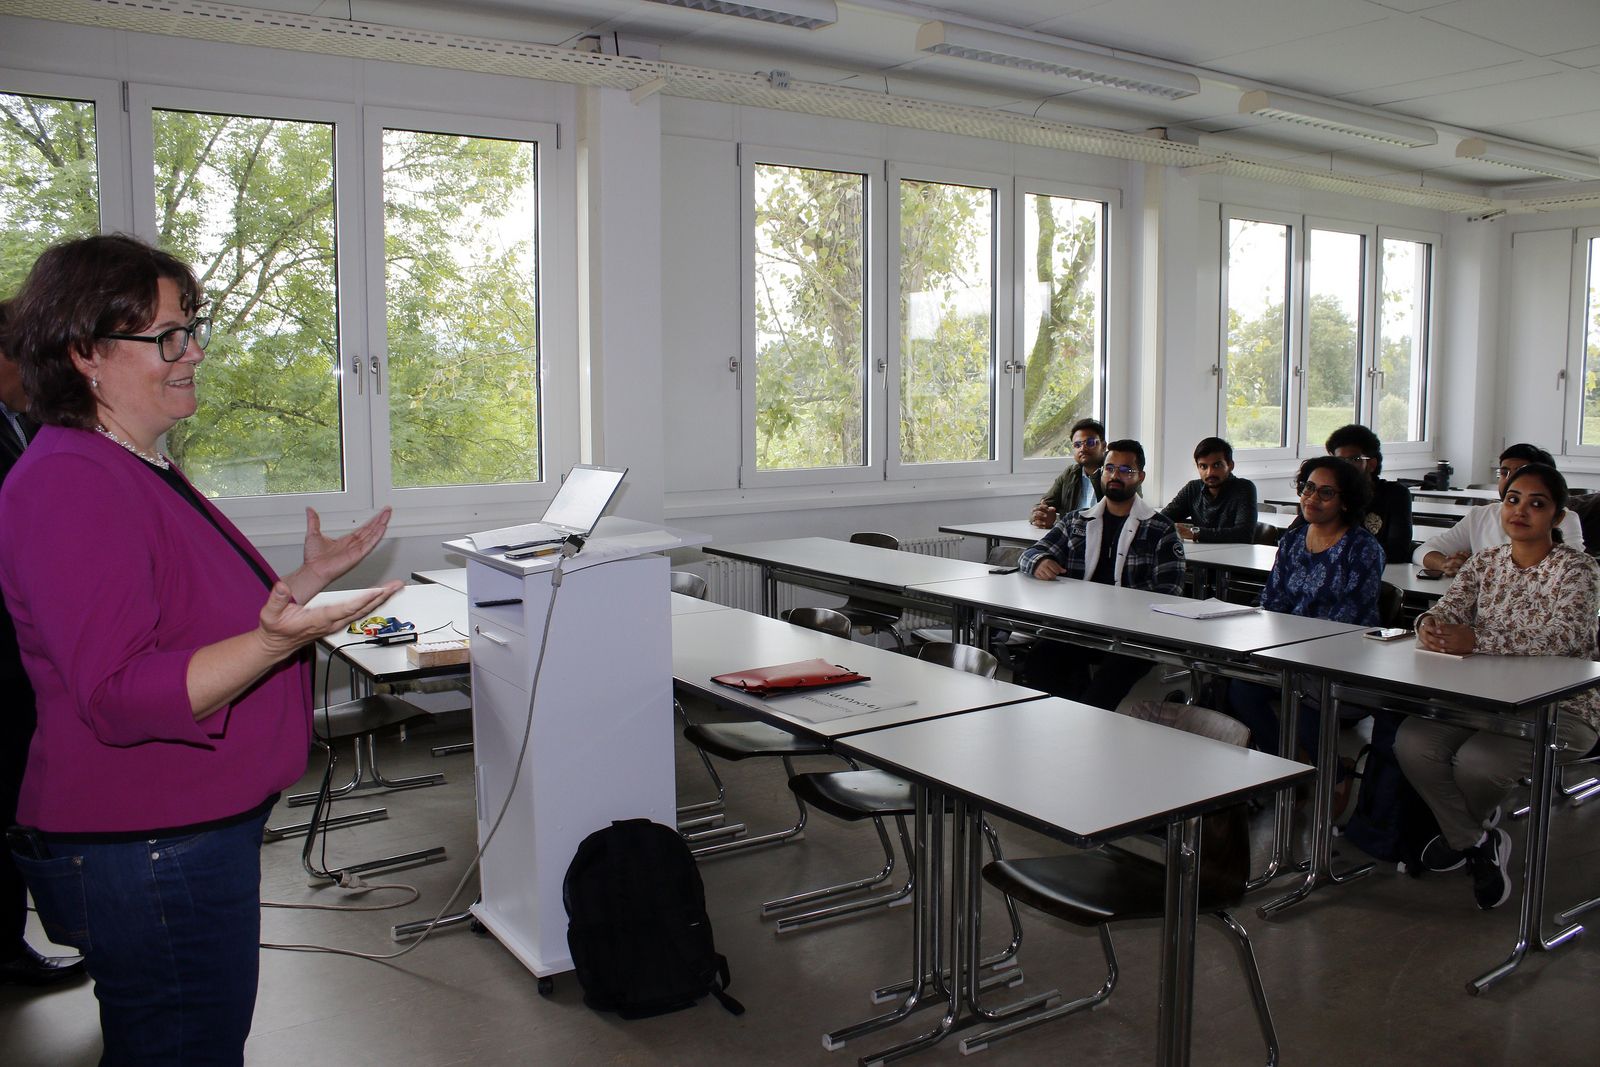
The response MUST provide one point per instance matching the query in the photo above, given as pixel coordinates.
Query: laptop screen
(582, 498)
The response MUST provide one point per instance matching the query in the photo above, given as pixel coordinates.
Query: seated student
(1480, 529)
(1078, 486)
(1328, 567)
(1120, 541)
(1389, 512)
(1215, 506)
(1536, 596)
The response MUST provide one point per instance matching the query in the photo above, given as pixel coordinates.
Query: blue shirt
(1339, 584)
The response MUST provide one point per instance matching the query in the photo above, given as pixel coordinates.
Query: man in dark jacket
(19, 963)
(1215, 507)
(1078, 486)
(1389, 514)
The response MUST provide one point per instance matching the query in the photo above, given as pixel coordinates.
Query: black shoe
(1490, 882)
(30, 968)
(1437, 855)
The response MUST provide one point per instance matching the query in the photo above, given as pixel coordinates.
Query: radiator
(736, 584)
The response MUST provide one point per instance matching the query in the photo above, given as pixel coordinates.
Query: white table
(1009, 532)
(688, 605)
(1515, 695)
(1255, 562)
(1075, 773)
(439, 614)
(709, 643)
(450, 577)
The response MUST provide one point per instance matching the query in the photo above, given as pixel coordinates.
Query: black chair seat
(868, 616)
(354, 718)
(855, 795)
(741, 740)
(1108, 885)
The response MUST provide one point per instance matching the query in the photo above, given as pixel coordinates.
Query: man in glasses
(1215, 507)
(1119, 541)
(1078, 486)
(1480, 529)
(1389, 514)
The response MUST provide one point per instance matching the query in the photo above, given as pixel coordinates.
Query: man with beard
(1215, 507)
(1120, 541)
(1078, 486)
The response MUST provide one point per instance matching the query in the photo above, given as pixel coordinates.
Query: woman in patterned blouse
(1329, 568)
(1532, 597)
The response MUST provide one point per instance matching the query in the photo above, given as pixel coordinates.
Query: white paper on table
(826, 705)
(1203, 609)
(512, 535)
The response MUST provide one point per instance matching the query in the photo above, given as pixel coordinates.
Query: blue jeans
(170, 931)
(1251, 704)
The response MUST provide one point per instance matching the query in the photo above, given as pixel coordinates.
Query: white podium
(601, 746)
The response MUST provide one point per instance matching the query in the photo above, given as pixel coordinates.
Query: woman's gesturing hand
(328, 558)
(287, 626)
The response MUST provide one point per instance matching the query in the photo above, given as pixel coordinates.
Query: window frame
(1294, 308)
(1001, 321)
(1112, 223)
(1366, 332)
(1577, 328)
(873, 355)
(1430, 330)
(110, 134)
(558, 429)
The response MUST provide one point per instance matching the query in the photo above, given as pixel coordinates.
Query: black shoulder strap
(717, 987)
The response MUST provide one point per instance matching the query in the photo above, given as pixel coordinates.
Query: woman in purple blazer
(170, 662)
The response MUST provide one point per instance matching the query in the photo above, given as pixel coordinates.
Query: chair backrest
(1391, 603)
(960, 657)
(1004, 555)
(1225, 834)
(876, 540)
(825, 620)
(688, 583)
(1268, 534)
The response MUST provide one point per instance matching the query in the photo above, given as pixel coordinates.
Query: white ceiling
(1525, 70)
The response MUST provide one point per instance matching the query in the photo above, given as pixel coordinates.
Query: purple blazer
(114, 581)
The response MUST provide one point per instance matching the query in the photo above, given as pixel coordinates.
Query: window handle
(1561, 378)
(377, 376)
(355, 369)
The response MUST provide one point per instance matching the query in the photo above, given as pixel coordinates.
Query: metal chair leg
(894, 899)
(773, 838)
(979, 1042)
(379, 781)
(294, 829)
(298, 800)
(1258, 993)
(719, 804)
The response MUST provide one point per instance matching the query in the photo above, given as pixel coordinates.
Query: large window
(1589, 431)
(1257, 330)
(49, 183)
(1324, 323)
(809, 295)
(946, 323)
(1063, 319)
(990, 342)
(461, 267)
(249, 204)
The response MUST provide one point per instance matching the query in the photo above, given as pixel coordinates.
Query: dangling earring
(94, 383)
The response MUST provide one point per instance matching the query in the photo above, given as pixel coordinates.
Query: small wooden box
(439, 653)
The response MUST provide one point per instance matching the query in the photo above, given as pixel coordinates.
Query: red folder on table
(790, 677)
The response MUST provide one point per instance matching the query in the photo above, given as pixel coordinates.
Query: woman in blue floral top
(1329, 568)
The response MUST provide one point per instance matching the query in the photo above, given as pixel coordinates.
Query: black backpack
(1391, 822)
(637, 925)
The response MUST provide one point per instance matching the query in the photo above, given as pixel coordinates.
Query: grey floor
(1369, 973)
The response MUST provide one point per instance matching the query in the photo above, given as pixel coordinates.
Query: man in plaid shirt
(1120, 541)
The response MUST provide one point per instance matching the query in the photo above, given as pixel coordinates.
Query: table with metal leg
(1513, 695)
(1076, 773)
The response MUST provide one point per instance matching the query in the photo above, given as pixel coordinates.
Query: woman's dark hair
(1554, 483)
(1362, 438)
(76, 293)
(1355, 488)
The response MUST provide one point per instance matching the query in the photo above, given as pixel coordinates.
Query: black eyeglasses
(173, 343)
(1126, 472)
(1321, 492)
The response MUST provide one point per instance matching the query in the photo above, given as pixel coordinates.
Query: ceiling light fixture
(1566, 165)
(806, 14)
(1020, 53)
(1337, 119)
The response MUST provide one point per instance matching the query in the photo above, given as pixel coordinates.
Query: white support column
(619, 286)
(1462, 402)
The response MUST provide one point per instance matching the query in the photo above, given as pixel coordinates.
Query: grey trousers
(1463, 773)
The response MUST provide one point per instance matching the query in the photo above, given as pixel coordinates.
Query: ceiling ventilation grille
(272, 29)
